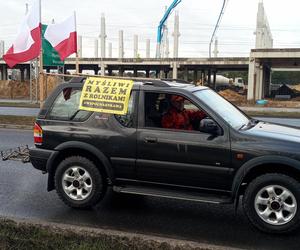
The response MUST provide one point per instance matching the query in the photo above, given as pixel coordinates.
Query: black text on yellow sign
(106, 95)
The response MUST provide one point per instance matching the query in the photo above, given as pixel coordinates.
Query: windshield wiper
(243, 126)
(251, 124)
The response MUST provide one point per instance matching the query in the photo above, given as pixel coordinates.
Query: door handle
(150, 140)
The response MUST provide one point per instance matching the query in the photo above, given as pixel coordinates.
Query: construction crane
(160, 28)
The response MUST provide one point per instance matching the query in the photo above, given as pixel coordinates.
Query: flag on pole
(63, 36)
(27, 45)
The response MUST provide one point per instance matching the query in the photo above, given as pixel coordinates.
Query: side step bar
(172, 194)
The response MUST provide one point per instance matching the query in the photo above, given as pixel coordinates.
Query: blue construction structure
(160, 27)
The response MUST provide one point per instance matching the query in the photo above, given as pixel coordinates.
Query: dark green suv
(216, 159)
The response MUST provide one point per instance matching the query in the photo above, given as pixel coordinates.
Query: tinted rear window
(65, 107)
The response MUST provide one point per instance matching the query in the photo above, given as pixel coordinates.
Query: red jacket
(181, 119)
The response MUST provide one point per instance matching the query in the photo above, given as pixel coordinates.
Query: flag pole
(41, 71)
(77, 58)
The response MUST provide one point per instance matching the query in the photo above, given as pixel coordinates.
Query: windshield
(223, 108)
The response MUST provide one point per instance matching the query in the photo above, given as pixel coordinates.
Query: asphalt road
(19, 111)
(23, 195)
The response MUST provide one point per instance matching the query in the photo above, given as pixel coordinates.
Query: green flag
(50, 55)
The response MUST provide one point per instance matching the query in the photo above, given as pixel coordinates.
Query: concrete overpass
(162, 67)
(261, 64)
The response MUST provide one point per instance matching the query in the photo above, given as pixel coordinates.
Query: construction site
(242, 80)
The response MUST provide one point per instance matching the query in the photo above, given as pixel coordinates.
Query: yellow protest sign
(106, 95)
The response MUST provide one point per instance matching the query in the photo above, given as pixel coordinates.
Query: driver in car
(177, 117)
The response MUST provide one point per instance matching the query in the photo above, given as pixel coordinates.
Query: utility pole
(135, 46)
(216, 48)
(121, 44)
(176, 35)
(148, 48)
(33, 70)
(103, 36)
(216, 27)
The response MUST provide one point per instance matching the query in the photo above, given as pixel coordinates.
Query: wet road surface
(23, 195)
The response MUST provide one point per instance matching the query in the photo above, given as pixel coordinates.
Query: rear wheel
(78, 182)
(271, 203)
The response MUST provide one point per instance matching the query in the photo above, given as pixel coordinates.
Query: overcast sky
(141, 17)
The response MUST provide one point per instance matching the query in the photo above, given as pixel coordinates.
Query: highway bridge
(146, 65)
(259, 66)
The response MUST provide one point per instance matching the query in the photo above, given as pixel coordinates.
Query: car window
(169, 111)
(66, 106)
(127, 120)
(233, 116)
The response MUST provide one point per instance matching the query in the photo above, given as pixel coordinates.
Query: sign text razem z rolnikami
(106, 95)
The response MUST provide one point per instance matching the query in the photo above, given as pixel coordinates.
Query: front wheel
(78, 182)
(271, 203)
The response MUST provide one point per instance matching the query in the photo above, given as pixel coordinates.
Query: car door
(181, 157)
(122, 144)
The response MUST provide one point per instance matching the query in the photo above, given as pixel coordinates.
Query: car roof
(144, 83)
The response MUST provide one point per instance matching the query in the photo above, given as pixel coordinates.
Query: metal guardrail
(16, 154)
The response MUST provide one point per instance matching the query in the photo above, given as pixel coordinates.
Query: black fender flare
(77, 145)
(255, 162)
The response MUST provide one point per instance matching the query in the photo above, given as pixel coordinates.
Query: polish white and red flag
(27, 45)
(63, 36)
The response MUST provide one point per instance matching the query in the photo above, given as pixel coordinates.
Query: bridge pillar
(214, 79)
(166, 74)
(209, 77)
(135, 73)
(96, 70)
(161, 74)
(267, 81)
(147, 73)
(186, 74)
(110, 72)
(157, 73)
(195, 76)
(251, 80)
(202, 77)
(103, 67)
(4, 72)
(27, 73)
(121, 72)
(255, 80)
(22, 74)
(174, 67)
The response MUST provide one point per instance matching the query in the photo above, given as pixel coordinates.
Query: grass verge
(22, 235)
(17, 120)
(19, 104)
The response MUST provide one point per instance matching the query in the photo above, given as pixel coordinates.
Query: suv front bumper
(39, 158)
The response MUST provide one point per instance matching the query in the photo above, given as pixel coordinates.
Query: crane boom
(162, 22)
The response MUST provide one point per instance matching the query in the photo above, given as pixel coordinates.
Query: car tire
(79, 183)
(272, 203)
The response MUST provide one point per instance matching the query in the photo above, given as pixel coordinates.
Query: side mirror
(209, 126)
